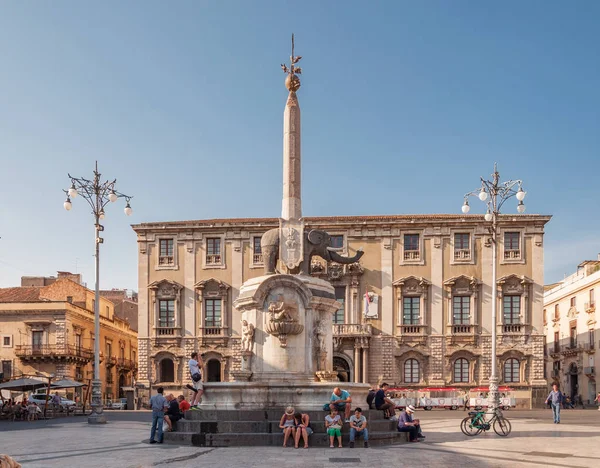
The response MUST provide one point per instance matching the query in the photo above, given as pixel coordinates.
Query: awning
(66, 383)
(22, 385)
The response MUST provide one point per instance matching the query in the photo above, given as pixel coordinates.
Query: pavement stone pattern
(535, 442)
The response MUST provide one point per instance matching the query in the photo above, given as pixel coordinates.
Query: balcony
(571, 349)
(68, 353)
(412, 334)
(512, 328)
(166, 331)
(589, 371)
(589, 348)
(462, 254)
(212, 331)
(590, 307)
(352, 329)
(126, 364)
(214, 335)
(412, 329)
(512, 254)
(463, 329)
(167, 260)
(110, 361)
(213, 259)
(555, 374)
(257, 259)
(412, 255)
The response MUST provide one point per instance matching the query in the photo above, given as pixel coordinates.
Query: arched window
(411, 371)
(341, 366)
(511, 370)
(461, 371)
(213, 370)
(167, 370)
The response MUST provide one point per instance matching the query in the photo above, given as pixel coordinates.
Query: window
(256, 250)
(461, 310)
(7, 369)
(166, 313)
(512, 309)
(592, 298)
(122, 353)
(461, 371)
(556, 312)
(511, 371)
(591, 339)
(462, 246)
(70, 299)
(512, 241)
(108, 350)
(411, 313)
(411, 371)
(213, 251)
(573, 337)
(337, 242)
(167, 370)
(212, 313)
(36, 338)
(340, 296)
(6, 341)
(78, 341)
(545, 317)
(411, 247)
(133, 356)
(108, 311)
(573, 301)
(556, 342)
(166, 252)
(109, 376)
(93, 305)
(78, 373)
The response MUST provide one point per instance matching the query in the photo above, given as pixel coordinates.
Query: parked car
(40, 399)
(119, 404)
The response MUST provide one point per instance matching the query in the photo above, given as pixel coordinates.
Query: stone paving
(535, 441)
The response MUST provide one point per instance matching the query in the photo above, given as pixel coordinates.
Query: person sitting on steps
(383, 403)
(288, 425)
(333, 424)
(341, 401)
(406, 423)
(302, 422)
(358, 427)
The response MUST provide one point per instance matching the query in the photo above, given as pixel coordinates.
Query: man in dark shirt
(383, 403)
(371, 397)
(406, 423)
(173, 414)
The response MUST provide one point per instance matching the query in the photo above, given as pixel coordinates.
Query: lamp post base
(493, 396)
(97, 415)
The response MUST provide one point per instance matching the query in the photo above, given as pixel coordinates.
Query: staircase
(229, 428)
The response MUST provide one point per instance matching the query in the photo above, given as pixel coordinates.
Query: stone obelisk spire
(291, 208)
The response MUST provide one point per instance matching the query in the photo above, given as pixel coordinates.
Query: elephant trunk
(345, 260)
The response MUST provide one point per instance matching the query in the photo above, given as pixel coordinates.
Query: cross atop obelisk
(291, 225)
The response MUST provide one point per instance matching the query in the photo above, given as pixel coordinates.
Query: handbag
(196, 376)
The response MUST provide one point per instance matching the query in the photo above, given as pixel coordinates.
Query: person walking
(597, 400)
(465, 400)
(158, 403)
(195, 364)
(555, 398)
(358, 427)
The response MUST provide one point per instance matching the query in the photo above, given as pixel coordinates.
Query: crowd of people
(23, 410)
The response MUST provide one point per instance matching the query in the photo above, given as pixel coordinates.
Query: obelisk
(291, 224)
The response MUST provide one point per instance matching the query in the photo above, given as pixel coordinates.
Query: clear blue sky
(405, 105)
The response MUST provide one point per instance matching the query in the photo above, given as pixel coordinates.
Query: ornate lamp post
(498, 192)
(98, 195)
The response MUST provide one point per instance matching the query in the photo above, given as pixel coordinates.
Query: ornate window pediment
(165, 289)
(514, 284)
(212, 287)
(412, 298)
(462, 284)
(412, 285)
(213, 308)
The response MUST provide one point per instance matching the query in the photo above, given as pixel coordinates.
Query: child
(333, 424)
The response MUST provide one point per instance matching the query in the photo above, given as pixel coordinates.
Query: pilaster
(387, 290)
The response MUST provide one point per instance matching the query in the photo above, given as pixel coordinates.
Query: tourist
(358, 427)
(288, 425)
(465, 400)
(333, 424)
(158, 403)
(371, 397)
(195, 364)
(173, 414)
(341, 401)
(56, 401)
(183, 404)
(303, 429)
(406, 423)
(555, 398)
(597, 400)
(383, 403)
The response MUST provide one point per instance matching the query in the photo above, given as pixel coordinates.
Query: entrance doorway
(573, 380)
(213, 370)
(121, 385)
(342, 367)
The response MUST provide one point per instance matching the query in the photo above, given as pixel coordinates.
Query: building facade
(48, 328)
(571, 329)
(428, 279)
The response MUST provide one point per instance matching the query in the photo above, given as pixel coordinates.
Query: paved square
(535, 441)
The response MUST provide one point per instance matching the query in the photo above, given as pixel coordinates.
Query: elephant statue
(316, 242)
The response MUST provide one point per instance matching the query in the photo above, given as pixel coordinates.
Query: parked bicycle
(476, 422)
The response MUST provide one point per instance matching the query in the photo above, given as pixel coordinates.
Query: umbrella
(66, 383)
(23, 385)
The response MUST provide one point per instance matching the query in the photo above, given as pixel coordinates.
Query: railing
(590, 306)
(212, 331)
(555, 374)
(111, 361)
(412, 329)
(412, 255)
(27, 351)
(166, 260)
(589, 346)
(555, 349)
(571, 348)
(165, 331)
(79, 377)
(257, 258)
(512, 254)
(462, 254)
(463, 329)
(352, 329)
(126, 363)
(213, 259)
(589, 371)
(512, 328)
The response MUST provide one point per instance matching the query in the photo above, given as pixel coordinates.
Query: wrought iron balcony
(352, 329)
(126, 363)
(512, 328)
(111, 361)
(257, 259)
(53, 352)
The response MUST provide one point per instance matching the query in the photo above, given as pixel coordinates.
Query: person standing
(358, 427)
(158, 403)
(597, 400)
(555, 398)
(465, 400)
(406, 423)
(195, 364)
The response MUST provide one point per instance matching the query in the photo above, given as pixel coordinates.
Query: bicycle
(475, 423)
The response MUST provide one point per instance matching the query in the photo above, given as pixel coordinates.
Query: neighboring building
(126, 304)
(429, 279)
(571, 330)
(50, 329)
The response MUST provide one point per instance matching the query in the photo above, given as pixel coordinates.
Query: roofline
(341, 219)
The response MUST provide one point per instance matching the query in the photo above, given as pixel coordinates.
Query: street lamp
(498, 193)
(98, 195)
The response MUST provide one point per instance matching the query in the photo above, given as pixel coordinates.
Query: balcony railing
(590, 307)
(352, 329)
(111, 361)
(167, 260)
(412, 255)
(257, 258)
(166, 331)
(512, 254)
(212, 331)
(512, 328)
(571, 349)
(53, 351)
(462, 254)
(213, 259)
(412, 329)
(126, 363)
(463, 329)
(589, 371)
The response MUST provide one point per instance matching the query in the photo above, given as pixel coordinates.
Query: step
(263, 415)
(271, 439)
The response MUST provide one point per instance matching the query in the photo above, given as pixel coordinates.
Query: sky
(404, 106)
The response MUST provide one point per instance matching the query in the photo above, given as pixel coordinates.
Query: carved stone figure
(316, 242)
(247, 336)
(279, 312)
(282, 323)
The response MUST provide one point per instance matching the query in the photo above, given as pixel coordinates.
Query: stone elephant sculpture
(316, 242)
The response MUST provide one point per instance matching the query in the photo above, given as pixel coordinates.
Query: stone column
(291, 204)
(356, 362)
(365, 360)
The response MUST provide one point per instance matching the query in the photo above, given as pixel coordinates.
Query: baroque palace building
(429, 284)
(572, 334)
(47, 327)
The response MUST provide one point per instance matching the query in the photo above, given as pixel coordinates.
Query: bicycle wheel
(502, 426)
(467, 427)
